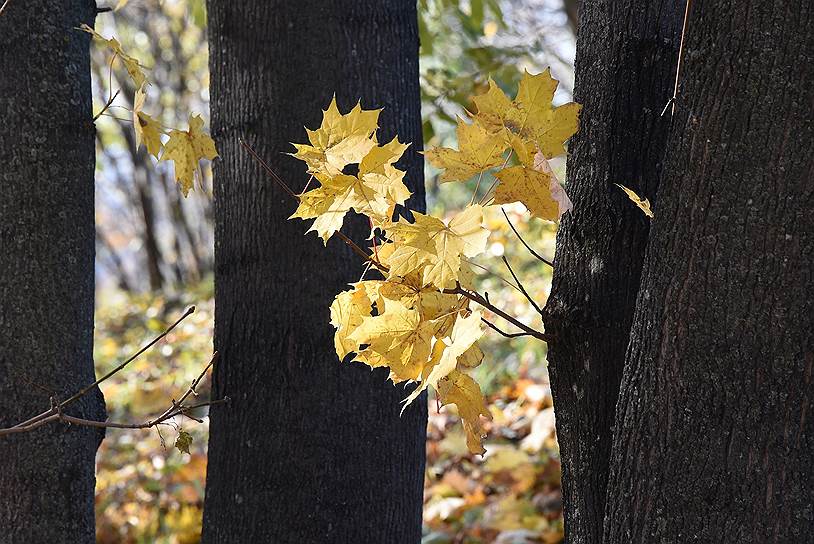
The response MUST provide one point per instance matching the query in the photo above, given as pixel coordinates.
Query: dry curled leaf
(642, 203)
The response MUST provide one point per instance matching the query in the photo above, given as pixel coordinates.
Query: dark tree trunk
(308, 450)
(46, 270)
(715, 434)
(626, 56)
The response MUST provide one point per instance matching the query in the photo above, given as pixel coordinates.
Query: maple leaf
(348, 310)
(465, 333)
(185, 148)
(329, 203)
(131, 64)
(537, 188)
(382, 156)
(530, 115)
(397, 338)
(342, 139)
(435, 247)
(643, 204)
(478, 151)
(430, 303)
(147, 129)
(461, 390)
(377, 172)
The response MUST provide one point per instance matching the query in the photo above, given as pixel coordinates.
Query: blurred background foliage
(155, 254)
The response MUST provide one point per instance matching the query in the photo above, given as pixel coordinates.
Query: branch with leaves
(415, 317)
(185, 148)
(56, 412)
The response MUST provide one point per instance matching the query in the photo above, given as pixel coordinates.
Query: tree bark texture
(46, 270)
(714, 430)
(625, 67)
(308, 449)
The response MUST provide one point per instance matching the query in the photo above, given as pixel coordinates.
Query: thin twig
(268, 169)
(503, 333)
(4, 6)
(479, 299)
(520, 285)
(65, 418)
(528, 247)
(53, 410)
(107, 105)
(177, 408)
(492, 273)
(194, 384)
(673, 98)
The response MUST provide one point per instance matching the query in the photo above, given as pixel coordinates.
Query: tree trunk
(308, 449)
(715, 434)
(46, 270)
(626, 56)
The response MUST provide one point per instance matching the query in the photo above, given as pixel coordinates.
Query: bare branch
(534, 253)
(54, 409)
(674, 98)
(177, 408)
(520, 286)
(479, 299)
(107, 104)
(268, 169)
(504, 333)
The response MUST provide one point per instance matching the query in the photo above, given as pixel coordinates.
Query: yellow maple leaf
(435, 247)
(461, 390)
(478, 150)
(147, 129)
(492, 107)
(530, 115)
(185, 148)
(465, 333)
(329, 203)
(642, 203)
(397, 338)
(382, 156)
(134, 68)
(536, 187)
(428, 301)
(341, 139)
(377, 171)
(348, 310)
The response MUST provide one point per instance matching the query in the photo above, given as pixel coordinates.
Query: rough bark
(46, 270)
(626, 55)
(715, 435)
(308, 450)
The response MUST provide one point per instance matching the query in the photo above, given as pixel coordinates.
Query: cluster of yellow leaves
(184, 147)
(528, 127)
(416, 319)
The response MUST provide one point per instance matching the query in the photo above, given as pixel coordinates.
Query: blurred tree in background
(155, 254)
(148, 236)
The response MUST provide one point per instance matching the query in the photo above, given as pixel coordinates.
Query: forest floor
(150, 492)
